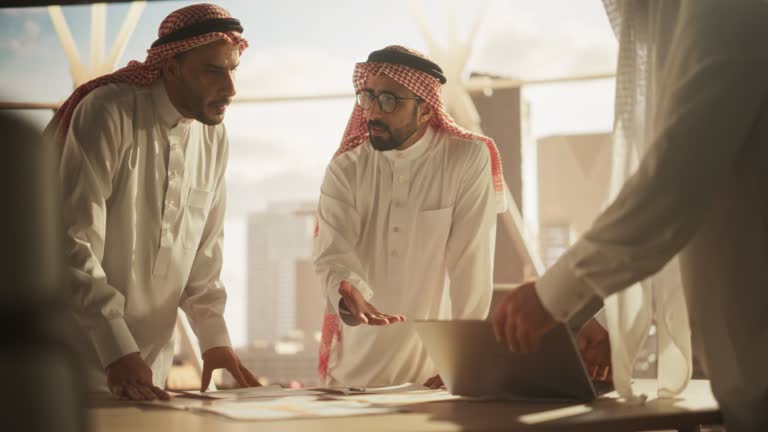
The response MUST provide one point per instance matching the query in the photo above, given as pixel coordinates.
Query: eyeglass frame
(378, 100)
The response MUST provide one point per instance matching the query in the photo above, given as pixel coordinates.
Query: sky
(302, 47)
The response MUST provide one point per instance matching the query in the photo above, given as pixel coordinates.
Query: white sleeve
(472, 240)
(335, 256)
(204, 297)
(707, 115)
(88, 163)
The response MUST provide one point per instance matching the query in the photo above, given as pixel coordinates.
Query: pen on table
(355, 389)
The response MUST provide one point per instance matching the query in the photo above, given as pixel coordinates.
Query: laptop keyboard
(602, 387)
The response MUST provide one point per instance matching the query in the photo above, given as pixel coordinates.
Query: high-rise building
(574, 173)
(278, 238)
(310, 302)
(506, 119)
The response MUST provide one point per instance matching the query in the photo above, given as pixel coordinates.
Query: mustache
(220, 102)
(378, 124)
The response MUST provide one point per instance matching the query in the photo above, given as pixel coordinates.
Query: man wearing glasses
(406, 222)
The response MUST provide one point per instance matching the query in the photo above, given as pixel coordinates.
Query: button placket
(173, 190)
(172, 202)
(400, 188)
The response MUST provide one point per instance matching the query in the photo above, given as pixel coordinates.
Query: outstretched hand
(355, 310)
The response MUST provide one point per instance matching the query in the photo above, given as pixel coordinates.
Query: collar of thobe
(167, 112)
(414, 151)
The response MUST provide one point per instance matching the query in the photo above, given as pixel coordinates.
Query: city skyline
(279, 150)
(278, 239)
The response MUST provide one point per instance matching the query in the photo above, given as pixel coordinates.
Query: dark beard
(387, 144)
(383, 144)
(193, 105)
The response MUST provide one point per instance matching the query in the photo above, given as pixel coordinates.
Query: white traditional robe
(414, 231)
(699, 192)
(144, 198)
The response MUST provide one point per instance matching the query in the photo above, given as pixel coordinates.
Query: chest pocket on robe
(432, 229)
(196, 213)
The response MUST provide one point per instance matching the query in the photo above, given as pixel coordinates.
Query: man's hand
(595, 348)
(129, 378)
(354, 310)
(521, 320)
(224, 357)
(434, 383)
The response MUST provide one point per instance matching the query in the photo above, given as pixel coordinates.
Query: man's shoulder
(113, 93)
(345, 167)
(463, 148)
(352, 157)
(116, 97)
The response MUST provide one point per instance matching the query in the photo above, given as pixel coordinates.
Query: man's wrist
(123, 358)
(561, 292)
(216, 347)
(212, 332)
(112, 340)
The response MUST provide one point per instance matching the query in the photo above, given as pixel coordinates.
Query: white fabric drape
(644, 30)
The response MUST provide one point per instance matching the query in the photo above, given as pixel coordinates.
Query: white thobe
(701, 190)
(414, 232)
(144, 198)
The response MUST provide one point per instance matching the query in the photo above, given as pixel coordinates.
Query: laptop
(472, 363)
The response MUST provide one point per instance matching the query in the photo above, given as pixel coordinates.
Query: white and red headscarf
(149, 71)
(427, 87)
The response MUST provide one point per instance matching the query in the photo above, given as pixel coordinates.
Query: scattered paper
(293, 408)
(275, 402)
(273, 391)
(281, 408)
(400, 388)
(401, 399)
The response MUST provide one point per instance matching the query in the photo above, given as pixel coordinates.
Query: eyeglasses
(387, 101)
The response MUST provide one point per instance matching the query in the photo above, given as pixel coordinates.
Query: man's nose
(375, 112)
(229, 85)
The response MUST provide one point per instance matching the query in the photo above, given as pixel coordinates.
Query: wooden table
(696, 406)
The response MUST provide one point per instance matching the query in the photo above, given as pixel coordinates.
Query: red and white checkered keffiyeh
(149, 71)
(428, 88)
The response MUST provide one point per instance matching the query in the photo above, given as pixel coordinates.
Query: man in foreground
(143, 156)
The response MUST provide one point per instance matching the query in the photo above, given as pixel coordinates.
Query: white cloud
(266, 139)
(520, 42)
(293, 70)
(14, 12)
(30, 41)
(31, 29)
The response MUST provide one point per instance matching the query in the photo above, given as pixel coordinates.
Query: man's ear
(425, 112)
(171, 68)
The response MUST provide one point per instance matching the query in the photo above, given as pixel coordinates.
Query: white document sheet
(273, 391)
(400, 388)
(399, 399)
(293, 408)
(277, 403)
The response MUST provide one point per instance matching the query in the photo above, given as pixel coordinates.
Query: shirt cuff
(211, 333)
(561, 292)
(601, 318)
(358, 282)
(112, 340)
